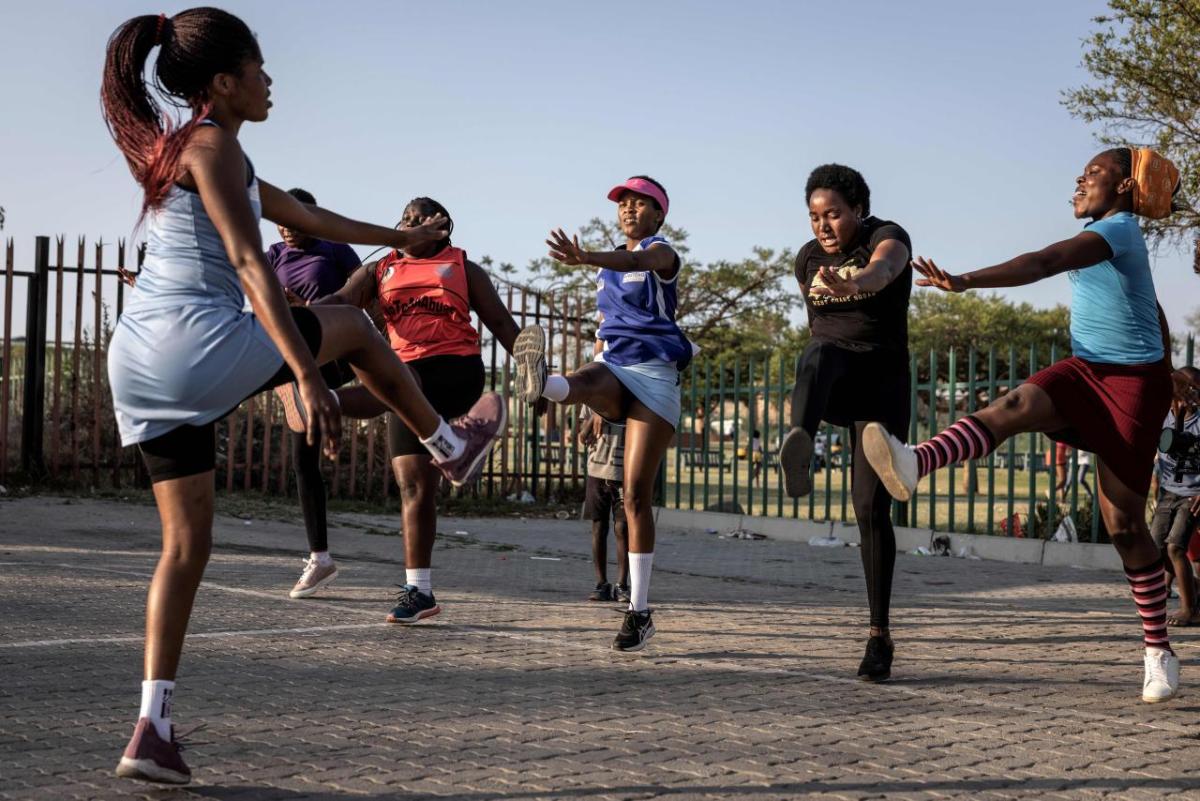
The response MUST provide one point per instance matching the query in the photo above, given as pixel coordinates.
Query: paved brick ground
(1011, 682)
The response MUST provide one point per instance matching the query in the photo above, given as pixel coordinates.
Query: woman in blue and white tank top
(635, 377)
(185, 352)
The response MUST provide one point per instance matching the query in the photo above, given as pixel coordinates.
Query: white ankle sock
(323, 558)
(420, 576)
(639, 580)
(157, 697)
(556, 388)
(443, 443)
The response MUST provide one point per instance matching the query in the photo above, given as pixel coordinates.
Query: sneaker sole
(639, 646)
(875, 679)
(293, 407)
(307, 593)
(148, 770)
(424, 613)
(879, 454)
(529, 351)
(477, 462)
(795, 463)
(1149, 700)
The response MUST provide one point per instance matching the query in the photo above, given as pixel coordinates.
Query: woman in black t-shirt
(856, 279)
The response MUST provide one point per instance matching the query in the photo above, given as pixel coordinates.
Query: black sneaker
(621, 592)
(877, 664)
(795, 463)
(636, 628)
(603, 592)
(413, 605)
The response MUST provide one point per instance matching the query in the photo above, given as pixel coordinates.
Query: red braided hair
(194, 46)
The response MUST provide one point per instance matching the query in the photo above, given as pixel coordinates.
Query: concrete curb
(1000, 549)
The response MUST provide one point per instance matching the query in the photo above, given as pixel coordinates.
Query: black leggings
(310, 486)
(849, 388)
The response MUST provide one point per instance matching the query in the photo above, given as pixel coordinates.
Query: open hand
(566, 250)
(936, 277)
(430, 229)
(126, 277)
(835, 285)
(324, 414)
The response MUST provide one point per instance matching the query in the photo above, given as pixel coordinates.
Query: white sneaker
(894, 462)
(1162, 676)
(314, 577)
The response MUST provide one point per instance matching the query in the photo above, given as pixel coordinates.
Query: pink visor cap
(642, 187)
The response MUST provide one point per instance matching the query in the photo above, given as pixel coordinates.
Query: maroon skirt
(1115, 411)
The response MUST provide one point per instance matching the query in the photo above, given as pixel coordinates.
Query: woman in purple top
(309, 268)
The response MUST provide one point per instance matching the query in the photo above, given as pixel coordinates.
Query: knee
(413, 490)
(637, 502)
(187, 550)
(1174, 552)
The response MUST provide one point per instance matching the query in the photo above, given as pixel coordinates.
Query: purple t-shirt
(318, 269)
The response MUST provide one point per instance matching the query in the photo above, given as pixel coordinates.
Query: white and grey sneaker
(314, 577)
(1161, 681)
(529, 351)
(894, 462)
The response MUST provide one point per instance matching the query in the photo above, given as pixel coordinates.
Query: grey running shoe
(529, 351)
(314, 577)
(795, 463)
(479, 429)
(150, 758)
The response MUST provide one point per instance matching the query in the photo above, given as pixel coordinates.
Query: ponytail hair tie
(158, 30)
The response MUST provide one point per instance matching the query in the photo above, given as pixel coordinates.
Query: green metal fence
(1012, 492)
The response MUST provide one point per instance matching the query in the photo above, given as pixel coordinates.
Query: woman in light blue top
(184, 352)
(1108, 398)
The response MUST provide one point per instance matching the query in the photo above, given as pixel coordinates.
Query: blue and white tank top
(639, 314)
(185, 352)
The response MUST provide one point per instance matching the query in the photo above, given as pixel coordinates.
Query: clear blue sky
(520, 115)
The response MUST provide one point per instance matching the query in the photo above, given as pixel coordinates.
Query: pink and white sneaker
(480, 428)
(151, 759)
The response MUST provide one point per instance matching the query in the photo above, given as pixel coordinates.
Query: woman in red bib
(426, 294)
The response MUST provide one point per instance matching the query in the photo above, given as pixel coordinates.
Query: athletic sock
(965, 440)
(1149, 585)
(157, 698)
(443, 444)
(323, 558)
(639, 580)
(556, 388)
(420, 578)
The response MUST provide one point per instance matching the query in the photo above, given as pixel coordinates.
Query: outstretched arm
(359, 290)
(1082, 250)
(887, 261)
(280, 207)
(659, 257)
(487, 304)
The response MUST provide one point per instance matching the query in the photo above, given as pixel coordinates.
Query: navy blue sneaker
(413, 605)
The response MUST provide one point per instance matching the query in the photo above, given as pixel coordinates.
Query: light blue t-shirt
(1114, 312)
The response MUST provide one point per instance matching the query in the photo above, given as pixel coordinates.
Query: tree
(939, 321)
(1146, 90)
